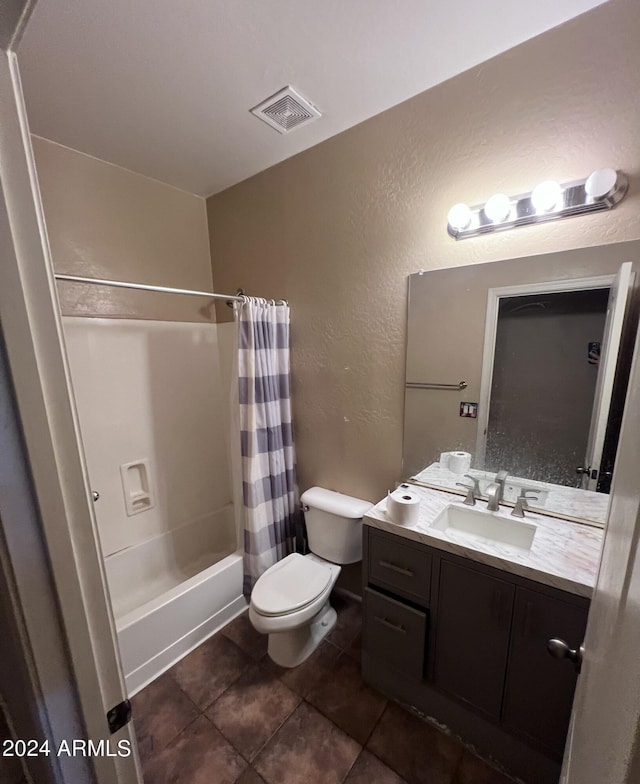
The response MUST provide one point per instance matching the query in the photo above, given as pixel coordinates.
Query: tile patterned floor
(226, 714)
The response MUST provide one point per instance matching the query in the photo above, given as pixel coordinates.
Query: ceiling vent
(286, 110)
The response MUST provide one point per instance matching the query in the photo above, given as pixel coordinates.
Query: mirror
(543, 346)
(546, 356)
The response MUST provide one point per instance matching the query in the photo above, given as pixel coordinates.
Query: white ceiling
(164, 87)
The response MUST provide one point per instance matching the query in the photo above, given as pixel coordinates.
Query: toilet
(290, 601)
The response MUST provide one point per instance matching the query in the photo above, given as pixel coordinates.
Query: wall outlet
(469, 410)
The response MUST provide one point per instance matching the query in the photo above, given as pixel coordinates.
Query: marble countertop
(563, 555)
(570, 503)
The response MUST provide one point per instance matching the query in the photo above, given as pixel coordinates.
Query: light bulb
(497, 208)
(459, 216)
(546, 196)
(600, 182)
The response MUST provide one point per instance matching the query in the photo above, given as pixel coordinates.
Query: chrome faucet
(521, 503)
(473, 490)
(493, 493)
(501, 481)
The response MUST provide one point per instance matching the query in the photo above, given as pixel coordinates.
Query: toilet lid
(289, 585)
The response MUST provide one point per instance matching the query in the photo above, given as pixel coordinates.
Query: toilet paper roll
(444, 459)
(459, 462)
(403, 507)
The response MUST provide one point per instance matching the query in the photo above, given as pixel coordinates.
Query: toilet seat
(290, 585)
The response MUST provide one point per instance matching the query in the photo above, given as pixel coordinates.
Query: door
(542, 308)
(603, 739)
(472, 636)
(611, 339)
(539, 690)
(39, 372)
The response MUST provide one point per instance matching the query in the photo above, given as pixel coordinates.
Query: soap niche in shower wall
(136, 486)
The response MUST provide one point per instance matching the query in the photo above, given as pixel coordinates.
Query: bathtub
(171, 593)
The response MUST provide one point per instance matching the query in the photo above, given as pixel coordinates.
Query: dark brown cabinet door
(472, 635)
(539, 689)
(395, 632)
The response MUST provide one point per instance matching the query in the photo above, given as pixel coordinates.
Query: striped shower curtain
(270, 492)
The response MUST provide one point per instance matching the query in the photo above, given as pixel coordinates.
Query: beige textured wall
(104, 221)
(337, 229)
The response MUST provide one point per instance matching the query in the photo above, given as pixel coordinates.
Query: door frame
(494, 295)
(616, 316)
(40, 380)
(602, 743)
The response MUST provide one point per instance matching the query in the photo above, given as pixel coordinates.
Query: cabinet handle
(396, 568)
(390, 625)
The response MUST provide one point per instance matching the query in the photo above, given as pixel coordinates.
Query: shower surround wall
(149, 390)
(149, 393)
(152, 379)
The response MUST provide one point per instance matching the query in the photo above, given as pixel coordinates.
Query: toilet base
(291, 648)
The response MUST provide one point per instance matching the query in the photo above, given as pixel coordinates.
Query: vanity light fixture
(546, 196)
(549, 200)
(497, 208)
(600, 183)
(459, 216)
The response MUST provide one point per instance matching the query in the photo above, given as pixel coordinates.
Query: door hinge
(119, 715)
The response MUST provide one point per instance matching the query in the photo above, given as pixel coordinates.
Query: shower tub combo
(159, 452)
(170, 593)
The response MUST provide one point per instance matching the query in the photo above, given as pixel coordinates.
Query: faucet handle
(521, 503)
(501, 481)
(473, 490)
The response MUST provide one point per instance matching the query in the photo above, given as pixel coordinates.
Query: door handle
(560, 650)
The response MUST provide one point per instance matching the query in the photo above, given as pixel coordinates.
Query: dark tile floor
(226, 713)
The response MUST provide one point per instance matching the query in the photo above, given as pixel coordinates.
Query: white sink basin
(479, 525)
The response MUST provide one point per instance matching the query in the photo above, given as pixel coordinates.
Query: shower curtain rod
(122, 284)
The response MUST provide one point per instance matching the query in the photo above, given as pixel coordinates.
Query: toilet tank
(334, 524)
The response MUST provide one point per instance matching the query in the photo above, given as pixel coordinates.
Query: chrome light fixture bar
(548, 201)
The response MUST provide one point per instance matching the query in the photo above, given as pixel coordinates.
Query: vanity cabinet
(466, 643)
(539, 689)
(472, 636)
